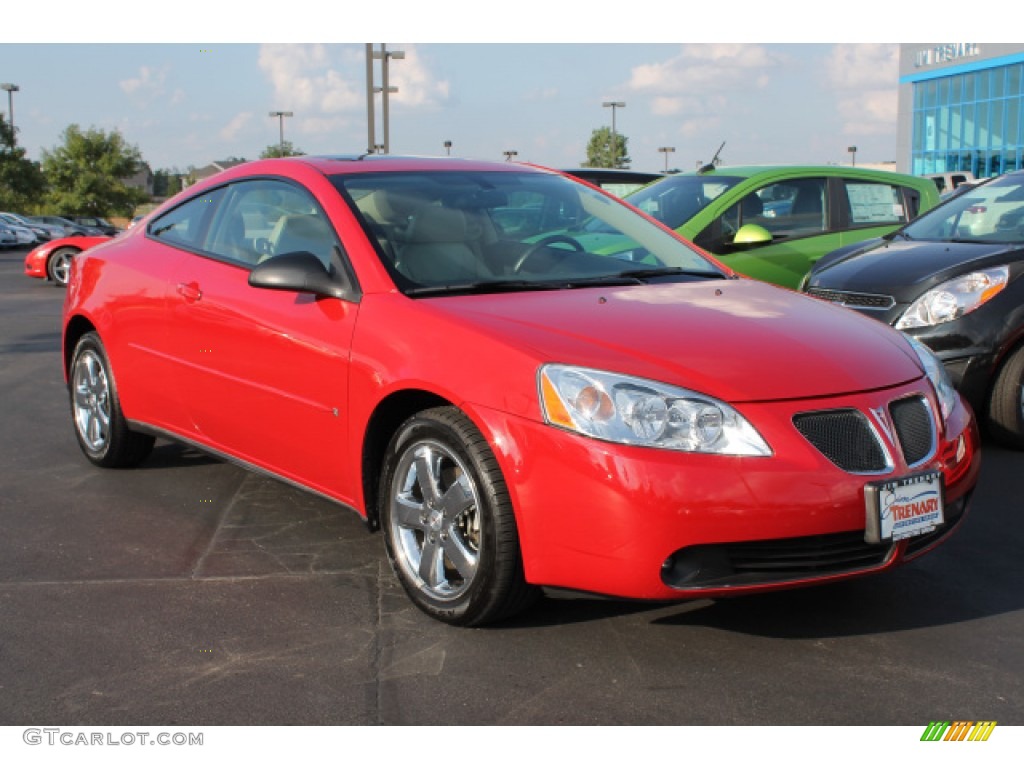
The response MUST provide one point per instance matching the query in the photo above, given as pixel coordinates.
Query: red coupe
(436, 344)
(52, 260)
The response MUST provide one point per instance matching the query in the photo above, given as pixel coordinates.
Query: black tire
(452, 540)
(1006, 406)
(58, 266)
(100, 427)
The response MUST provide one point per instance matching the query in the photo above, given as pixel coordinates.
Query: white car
(7, 237)
(25, 235)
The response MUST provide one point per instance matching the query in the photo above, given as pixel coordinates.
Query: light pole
(386, 89)
(280, 118)
(10, 88)
(448, 148)
(666, 151)
(853, 155)
(509, 154)
(615, 144)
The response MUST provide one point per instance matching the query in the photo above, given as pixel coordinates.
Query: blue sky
(492, 82)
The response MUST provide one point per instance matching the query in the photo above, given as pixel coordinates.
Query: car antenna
(711, 166)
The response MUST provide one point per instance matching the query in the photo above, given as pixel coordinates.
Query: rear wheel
(1006, 407)
(59, 266)
(448, 523)
(100, 427)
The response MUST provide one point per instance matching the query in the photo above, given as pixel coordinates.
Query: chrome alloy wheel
(435, 520)
(91, 401)
(60, 266)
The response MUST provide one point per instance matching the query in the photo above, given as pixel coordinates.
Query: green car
(774, 222)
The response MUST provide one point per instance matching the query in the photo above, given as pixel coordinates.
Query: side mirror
(751, 235)
(302, 272)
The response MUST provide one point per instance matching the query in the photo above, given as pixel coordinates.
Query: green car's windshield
(989, 213)
(462, 231)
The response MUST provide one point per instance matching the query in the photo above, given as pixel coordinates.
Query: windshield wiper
(640, 274)
(482, 286)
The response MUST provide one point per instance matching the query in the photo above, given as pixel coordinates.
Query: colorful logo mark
(960, 730)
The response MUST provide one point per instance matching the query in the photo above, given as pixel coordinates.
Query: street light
(666, 150)
(448, 148)
(853, 155)
(615, 145)
(10, 88)
(385, 90)
(509, 154)
(280, 117)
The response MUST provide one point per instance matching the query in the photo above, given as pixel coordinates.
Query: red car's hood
(738, 340)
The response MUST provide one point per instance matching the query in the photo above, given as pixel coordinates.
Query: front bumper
(35, 263)
(619, 520)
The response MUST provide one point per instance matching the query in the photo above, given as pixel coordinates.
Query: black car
(94, 222)
(953, 279)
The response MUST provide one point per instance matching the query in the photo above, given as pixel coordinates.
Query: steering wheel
(544, 243)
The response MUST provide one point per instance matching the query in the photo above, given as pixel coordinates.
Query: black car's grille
(913, 422)
(776, 560)
(845, 438)
(850, 299)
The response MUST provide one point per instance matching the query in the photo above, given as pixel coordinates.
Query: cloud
(868, 65)
(147, 86)
(417, 87)
(321, 82)
(235, 126)
(699, 69)
(307, 78)
(862, 77)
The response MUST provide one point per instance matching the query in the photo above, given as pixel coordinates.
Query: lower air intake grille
(777, 560)
(845, 437)
(913, 423)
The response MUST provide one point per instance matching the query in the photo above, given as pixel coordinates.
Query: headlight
(937, 375)
(624, 409)
(954, 298)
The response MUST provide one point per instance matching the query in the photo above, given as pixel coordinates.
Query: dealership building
(961, 108)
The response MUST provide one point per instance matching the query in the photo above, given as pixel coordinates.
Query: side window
(795, 207)
(186, 224)
(787, 209)
(264, 218)
(874, 203)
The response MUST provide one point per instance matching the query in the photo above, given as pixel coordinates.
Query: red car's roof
(334, 164)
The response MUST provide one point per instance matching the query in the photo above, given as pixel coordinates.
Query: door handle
(190, 291)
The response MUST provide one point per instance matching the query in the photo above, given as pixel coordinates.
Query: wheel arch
(75, 329)
(389, 414)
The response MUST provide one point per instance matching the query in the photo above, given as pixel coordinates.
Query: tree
(87, 173)
(599, 150)
(166, 182)
(287, 149)
(21, 182)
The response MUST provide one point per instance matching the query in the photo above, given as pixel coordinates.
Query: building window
(969, 122)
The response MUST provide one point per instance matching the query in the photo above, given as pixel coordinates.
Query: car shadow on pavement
(170, 455)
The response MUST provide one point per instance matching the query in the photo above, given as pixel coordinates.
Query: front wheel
(100, 427)
(1006, 407)
(448, 523)
(59, 266)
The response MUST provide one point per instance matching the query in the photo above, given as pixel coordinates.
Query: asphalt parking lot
(190, 591)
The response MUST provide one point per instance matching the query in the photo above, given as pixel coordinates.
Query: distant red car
(431, 343)
(52, 260)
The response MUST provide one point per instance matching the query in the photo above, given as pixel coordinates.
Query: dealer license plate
(903, 507)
